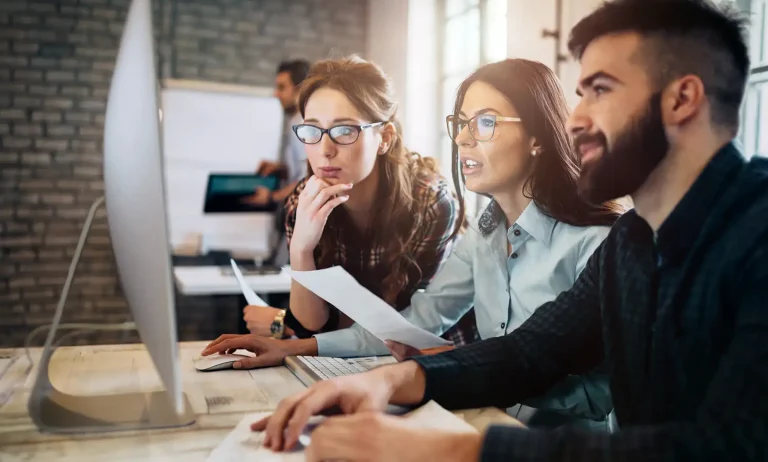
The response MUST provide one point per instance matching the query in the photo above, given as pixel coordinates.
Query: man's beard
(290, 110)
(621, 170)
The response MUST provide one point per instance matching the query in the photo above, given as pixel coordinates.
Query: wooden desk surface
(219, 399)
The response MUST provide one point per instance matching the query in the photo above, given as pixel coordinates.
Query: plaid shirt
(429, 246)
(681, 318)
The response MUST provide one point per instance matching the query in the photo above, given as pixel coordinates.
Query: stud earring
(534, 153)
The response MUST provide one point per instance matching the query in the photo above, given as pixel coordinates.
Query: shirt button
(516, 232)
(514, 255)
(503, 325)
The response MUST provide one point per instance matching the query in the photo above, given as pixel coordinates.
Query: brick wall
(56, 60)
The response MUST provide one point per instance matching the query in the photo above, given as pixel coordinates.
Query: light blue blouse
(505, 289)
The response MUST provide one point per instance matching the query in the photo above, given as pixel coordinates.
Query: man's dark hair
(680, 37)
(298, 69)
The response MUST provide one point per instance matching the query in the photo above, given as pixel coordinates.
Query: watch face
(274, 327)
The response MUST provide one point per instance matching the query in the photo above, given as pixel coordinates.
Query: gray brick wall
(56, 60)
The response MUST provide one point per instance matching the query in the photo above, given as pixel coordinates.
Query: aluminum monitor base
(56, 412)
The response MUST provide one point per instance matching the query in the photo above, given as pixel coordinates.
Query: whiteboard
(213, 128)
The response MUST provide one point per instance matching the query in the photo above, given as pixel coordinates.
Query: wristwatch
(277, 328)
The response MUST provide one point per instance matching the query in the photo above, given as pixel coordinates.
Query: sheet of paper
(435, 417)
(241, 444)
(250, 295)
(340, 289)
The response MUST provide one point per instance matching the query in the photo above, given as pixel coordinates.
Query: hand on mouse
(268, 351)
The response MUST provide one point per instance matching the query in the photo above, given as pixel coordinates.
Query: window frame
(474, 202)
(757, 82)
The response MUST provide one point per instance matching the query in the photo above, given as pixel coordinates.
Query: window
(474, 32)
(755, 110)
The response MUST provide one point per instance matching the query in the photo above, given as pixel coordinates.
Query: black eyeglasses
(481, 126)
(340, 134)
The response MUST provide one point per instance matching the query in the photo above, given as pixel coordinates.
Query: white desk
(219, 399)
(209, 280)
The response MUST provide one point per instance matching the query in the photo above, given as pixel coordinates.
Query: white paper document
(432, 416)
(250, 295)
(340, 289)
(241, 444)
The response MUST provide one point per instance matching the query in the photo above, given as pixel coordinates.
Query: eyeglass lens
(481, 127)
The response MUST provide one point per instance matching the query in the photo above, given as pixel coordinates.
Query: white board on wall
(215, 128)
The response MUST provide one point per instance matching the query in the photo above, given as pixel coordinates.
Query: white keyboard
(328, 368)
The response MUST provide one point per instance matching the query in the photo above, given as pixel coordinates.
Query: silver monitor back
(135, 201)
(135, 196)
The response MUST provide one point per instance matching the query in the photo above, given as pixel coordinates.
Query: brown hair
(535, 91)
(371, 92)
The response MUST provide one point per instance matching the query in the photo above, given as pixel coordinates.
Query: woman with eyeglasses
(532, 241)
(370, 205)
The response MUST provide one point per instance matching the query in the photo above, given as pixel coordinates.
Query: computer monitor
(136, 213)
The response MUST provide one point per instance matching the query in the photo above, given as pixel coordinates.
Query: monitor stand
(56, 412)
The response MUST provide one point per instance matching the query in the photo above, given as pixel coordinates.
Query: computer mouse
(216, 362)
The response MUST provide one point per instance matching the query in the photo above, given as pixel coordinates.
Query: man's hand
(377, 437)
(262, 196)
(267, 168)
(367, 392)
(269, 351)
(401, 352)
(259, 320)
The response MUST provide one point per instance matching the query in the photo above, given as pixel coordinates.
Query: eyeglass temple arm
(371, 125)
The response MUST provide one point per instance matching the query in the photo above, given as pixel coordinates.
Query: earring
(383, 149)
(534, 153)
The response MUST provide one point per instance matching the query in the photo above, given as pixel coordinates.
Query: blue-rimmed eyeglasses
(340, 134)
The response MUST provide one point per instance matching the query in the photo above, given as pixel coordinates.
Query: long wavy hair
(535, 92)
(371, 92)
